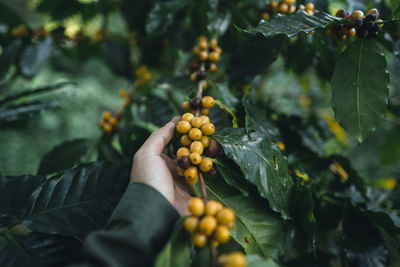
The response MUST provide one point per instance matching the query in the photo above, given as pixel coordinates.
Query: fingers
(157, 141)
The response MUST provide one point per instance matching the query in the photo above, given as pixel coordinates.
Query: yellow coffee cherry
(207, 225)
(196, 50)
(222, 234)
(186, 105)
(195, 134)
(187, 117)
(183, 127)
(205, 140)
(203, 44)
(203, 55)
(230, 225)
(309, 6)
(357, 14)
(204, 119)
(191, 181)
(113, 121)
(292, 9)
(213, 68)
(351, 33)
(207, 129)
(185, 140)
(107, 127)
(196, 147)
(212, 207)
(283, 8)
(197, 122)
(180, 171)
(196, 206)
(191, 173)
(193, 76)
(195, 158)
(190, 223)
(234, 259)
(225, 216)
(214, 56)
(379, 23)
(373, 11)
(310, 12)
(201, 38)
(274, 5)
(213, 42)
(265, 16)
(182, 152)
(207, 102)
(206, 165)
(199, 240)
(123, 93)
(218, 50)
(107, 115)
(205, 111)
(290, 2)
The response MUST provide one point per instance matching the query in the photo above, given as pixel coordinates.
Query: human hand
(153, 167)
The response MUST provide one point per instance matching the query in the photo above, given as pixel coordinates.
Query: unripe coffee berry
(196, 147)
(191, 223)
(183, 127)
(205, 140)
(191, 173)
(182, 152)
(195, 158)
(225, 216)
(196, 206)
(195, 134)
(185, 140)
(207, 225)
(222, 234)
(206, 164)
(187, 117)
(197, 122)
(207, 129)
(212, 207)
(207, 102)
(184, 162)
(199, 240)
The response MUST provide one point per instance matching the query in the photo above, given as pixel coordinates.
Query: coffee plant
(289, 136)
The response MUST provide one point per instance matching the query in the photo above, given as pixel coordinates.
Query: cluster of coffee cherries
(208, 220)
(363, 26)
(143, 75)
(233, 259)
(23, 32)
(208, 53)
(285, 7)
(108, 123)
(195, 140)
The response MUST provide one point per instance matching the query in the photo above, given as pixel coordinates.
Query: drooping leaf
(176, 253)
(64, 156)
(14, 195)
(34, 56)
(262, 164)
(293, 24)
(359, 98)
(21, 112)
(257, 229)
(254, 260)
(77, 201)
(8, 56)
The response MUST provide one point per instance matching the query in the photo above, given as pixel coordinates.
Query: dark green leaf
(8, 56)
(390, 149)
(78, 201)
(395, 9)
(293, 24)
(59, 9)
(218, 22)
(34, 56)
(64, 156)
(176, 252)
(254, 260)
(21, 112)
(304, 210)
(118, 59)
(221, 92)
(262, 164)
(256, 229)
(359, 98)
(131, 139)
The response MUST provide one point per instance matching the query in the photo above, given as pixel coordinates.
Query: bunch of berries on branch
(285, 7)
(362, 26)
(208, 221)
(108, 123)
(208, 53)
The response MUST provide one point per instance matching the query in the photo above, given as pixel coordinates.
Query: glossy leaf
(221, 92)
(257, 229)
(34, 56)
(294, 24)
(21, 112)
(77, 201)
(64, 156)
(262, 164)
(359, 98)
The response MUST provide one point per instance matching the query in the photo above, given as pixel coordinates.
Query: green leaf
(131, 139)
(21, 112)
(176, 252)
(390, 149)
(304, 210)
(293, 24)
(257, 229)
(117, 57)
(254, 260)
(221, 92)
(78, 201)
(64, 156)
(395, 9)
(59, 9)
(8, 56)
(262, 164)
(218, 22)
(360, 88)
(34, 56)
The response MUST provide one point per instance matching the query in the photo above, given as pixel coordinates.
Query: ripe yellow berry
(205, 140)
(199, 240)
(234, 259)
(182, 152)
(225, 216)
(193, 76)
(186, 105)
(107, 127)
(197, 122)
(196, 50)
(201, 38)
(292, 9)
(379, 23)
(185, 140)
(205, 119)
(283, 8)
(113, 121)
(123, 93)
(343, 37)
(290, 2)
(357, 14)
(222, 234)
(207, 225)
(195, 158)
(196, 206)
(187, 117)
(214, 57)
(191, 173)
(190, 223)
(218, 50)
(230, 225)
(203, 55)
(107, 115)
(203, 44)
(180, 171)
(183, 127)
(265, 16)
(373, 11)
(207, 129)
(195, 134)
(274, 5)
(213, 42)
(196, 147)
(207, 102)
(191, 181)
(213, 68)
(205, 111)
(205, 165)
(212, 207)
(310, 6)
(351, 33)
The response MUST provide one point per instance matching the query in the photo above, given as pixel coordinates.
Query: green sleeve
(138, 229)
